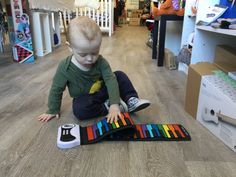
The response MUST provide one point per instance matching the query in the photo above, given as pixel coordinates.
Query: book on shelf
(211, 14)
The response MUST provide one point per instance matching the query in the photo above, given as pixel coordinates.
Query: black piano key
(97, 133)
(103, 129)
(127, 121)
(120, 123)
(161, 133)
(178, 134)
(109, 126)
(154, 133)
(138, 134)
(171, 134)
(147, 134)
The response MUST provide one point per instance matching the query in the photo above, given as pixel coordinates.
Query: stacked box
(216, 108)
(225, 60)
(134, 19)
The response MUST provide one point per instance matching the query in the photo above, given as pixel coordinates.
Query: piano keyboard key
(128, 117)
(149, 127)
(156, 130)
(120, 123)
(113, 125)
(154, 133)
(90, 133)
(127, 121)
(99, 125)
(179, 130)
(139, 128)
(144, 128)
(161, 130)
(117, 125)
(104, 122)
(94, 131)
(166, 129)
(123, 119)
(173, 130)
(97, 133)
(171, 134)
(147, 134)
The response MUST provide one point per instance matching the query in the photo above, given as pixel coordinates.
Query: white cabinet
(206, 38)
(55, 28)
(41, 33)
(45, 25)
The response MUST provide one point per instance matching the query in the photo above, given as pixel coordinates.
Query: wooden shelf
(217, 30)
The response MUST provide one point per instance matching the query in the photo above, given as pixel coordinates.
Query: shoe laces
(132, 101)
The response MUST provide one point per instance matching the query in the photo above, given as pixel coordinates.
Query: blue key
(99, 124)
(149, 127)
(155, 128)
(104, 121)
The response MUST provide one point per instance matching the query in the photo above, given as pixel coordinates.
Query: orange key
(90, 133)
(173, 131)
(128, 116)
(122, 119)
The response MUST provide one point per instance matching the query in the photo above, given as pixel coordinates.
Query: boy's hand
(114, 113)
(47, 117)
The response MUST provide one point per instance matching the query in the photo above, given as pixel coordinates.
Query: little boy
(95, 89)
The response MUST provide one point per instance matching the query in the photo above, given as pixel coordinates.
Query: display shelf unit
(55, 27)
(41, 33)
(217, 30)
(45, 25)
(206, 38)
(189, 22)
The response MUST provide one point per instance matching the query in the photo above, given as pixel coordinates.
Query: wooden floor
(28, 147)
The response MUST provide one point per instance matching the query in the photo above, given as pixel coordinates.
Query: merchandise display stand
(41, 33)
(55, 29)
(46, 31)
(206, 38)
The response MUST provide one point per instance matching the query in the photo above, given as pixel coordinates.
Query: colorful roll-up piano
(71, 135)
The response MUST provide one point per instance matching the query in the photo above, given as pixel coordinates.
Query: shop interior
(180, 55)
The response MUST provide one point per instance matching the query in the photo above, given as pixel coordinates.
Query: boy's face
(86, 52)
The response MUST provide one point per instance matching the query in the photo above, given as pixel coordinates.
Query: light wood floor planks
(28, 147)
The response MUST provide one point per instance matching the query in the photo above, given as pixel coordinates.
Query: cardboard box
(216, 108)
(136, 13)
(225, 58)
(134, 21)
(195, 73)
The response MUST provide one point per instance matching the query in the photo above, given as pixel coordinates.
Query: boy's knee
(119, 73)
(78, 113)
(80, 110)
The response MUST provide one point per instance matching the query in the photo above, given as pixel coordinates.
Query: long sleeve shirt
(81, 82)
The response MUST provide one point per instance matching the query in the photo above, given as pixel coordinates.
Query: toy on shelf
(71, 135)
(168, 7)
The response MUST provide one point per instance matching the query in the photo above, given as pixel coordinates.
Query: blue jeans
(92, 105)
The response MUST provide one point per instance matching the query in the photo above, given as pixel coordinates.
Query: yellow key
(166, 128)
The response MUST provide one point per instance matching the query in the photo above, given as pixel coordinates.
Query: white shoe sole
(139, 107)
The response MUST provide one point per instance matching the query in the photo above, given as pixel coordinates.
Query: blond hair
(84, 26)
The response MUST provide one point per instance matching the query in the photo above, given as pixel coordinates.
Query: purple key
(94, 131)
(144, 128)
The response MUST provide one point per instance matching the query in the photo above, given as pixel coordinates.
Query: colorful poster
(22, 49)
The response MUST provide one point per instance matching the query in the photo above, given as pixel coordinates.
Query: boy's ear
(69, 46)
